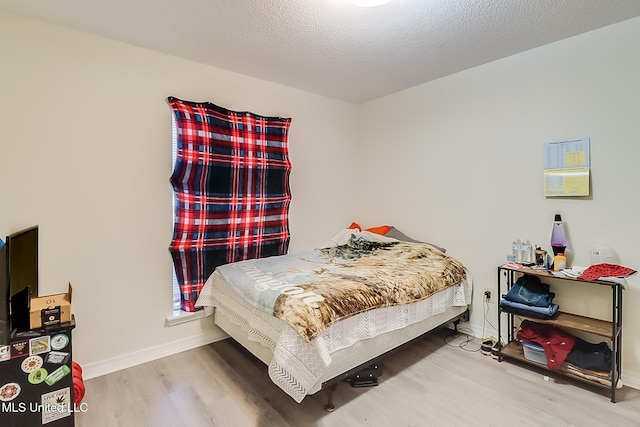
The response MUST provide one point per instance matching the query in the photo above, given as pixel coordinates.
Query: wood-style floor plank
(429, 383)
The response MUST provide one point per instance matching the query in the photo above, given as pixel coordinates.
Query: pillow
(341, 238)
(381, 230)
(345, 235)
(374, 237)
(399, 235)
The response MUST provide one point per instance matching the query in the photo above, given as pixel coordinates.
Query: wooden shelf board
(548, 274)
(515, 351)
(599, 327)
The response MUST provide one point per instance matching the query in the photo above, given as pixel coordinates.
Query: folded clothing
(529, 310)
(557, 343)
(530, 291)
(595, 357)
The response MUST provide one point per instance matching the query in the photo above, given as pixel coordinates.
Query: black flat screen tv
(18, 280)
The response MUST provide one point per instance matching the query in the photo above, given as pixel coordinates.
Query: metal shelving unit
(610, 330)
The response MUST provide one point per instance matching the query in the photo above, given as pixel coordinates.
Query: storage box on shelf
(534, 352)
(610, 330)
(50, 310)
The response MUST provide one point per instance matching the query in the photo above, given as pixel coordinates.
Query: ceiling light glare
(369, 3)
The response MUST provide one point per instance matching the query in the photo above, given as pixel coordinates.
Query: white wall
(459, 162)
(86, 150)
(86, 155)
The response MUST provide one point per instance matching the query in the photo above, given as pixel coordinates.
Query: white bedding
(300, 367)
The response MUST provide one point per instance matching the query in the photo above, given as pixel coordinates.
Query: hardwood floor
(430, 383)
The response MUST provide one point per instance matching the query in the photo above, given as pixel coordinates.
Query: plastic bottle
(558, 238)
(526, 252)
(562, 262)
(514, 249)
(518, 251)
(559, 262)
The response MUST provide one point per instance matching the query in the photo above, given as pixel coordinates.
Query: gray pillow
(397, 234)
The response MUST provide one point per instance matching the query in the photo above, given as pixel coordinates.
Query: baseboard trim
(477, 331)
(104, 367)
(630, 379)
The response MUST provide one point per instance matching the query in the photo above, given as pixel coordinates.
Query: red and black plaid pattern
(231, 189)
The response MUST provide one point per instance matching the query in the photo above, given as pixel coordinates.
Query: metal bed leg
(330, 407)
(464, 317)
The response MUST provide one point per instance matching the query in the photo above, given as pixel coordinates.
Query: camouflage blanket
(312, 290)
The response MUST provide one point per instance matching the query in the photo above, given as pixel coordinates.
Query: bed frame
(368, 352)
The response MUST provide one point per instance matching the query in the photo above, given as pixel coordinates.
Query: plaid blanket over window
(231, 189)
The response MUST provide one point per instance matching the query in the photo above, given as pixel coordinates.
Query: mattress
(300, 367)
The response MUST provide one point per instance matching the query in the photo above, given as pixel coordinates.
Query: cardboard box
(50, 310)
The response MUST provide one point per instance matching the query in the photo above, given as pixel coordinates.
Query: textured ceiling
(332, 47)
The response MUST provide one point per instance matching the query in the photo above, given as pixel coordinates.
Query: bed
(316, 317)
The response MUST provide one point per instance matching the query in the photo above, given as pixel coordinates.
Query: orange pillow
(382, 230)
(355, 225)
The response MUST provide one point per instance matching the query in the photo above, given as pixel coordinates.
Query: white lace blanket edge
(297, 365)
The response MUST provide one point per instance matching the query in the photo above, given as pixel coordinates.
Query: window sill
(185, 316)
